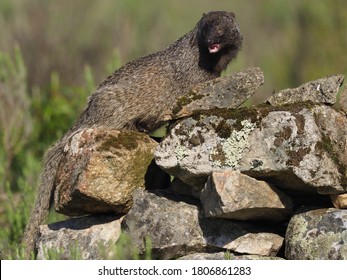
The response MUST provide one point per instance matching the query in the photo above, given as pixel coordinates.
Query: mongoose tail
(44, 197)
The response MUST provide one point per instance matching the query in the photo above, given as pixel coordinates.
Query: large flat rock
(323, 90)
(300, 148)
(224, 92)
(230, 194)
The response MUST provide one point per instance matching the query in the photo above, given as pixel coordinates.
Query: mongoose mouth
(214, 48)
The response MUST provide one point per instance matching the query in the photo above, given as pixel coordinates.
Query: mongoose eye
(219, 32)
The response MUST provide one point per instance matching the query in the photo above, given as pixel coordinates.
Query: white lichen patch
(73, 146)
(181, 152)
(231, 149)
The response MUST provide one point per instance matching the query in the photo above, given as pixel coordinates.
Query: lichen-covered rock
(230, 194)
(225, 92)
(333, 127)
(81, 238)
(177, 228)
(319, 91)
(317, 235)
(293, 146)
(100, 170)
(343, 100)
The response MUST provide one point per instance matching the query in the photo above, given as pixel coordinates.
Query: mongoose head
(219, 39)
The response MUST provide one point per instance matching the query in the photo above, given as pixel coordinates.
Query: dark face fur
(219, 40)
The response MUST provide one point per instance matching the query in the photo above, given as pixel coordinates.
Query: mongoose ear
(232, 14)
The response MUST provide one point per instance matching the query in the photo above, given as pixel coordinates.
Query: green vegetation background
(54, 53)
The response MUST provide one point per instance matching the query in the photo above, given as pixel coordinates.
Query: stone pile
(266, 182)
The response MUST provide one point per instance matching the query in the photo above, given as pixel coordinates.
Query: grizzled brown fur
(136, 95)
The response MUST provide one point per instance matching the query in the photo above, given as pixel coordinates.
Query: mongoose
(136, 95)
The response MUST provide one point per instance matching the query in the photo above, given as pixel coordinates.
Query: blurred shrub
(15, 119)
(16, 126)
